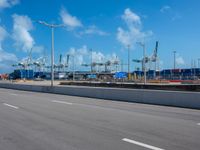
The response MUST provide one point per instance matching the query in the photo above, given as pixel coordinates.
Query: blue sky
(105, 26)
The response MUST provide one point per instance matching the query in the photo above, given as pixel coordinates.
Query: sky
(106, 27)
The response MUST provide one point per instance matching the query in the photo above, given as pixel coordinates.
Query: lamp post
(122, 65)
(174, 59)
(52, 26)
(198, 62)
(91, 61)
(144, 60)
(73, 68)
(174, 62)
(128, 46)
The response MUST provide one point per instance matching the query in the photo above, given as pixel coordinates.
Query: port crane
(25, 63)
(106, 64)
(40, 63)
(149, 59)
(62, 64)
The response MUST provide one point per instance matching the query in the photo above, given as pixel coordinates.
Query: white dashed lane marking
(141, 144)
(62, 102)
(13, 94)
(12, 106)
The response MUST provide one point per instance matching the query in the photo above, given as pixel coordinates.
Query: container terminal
(99, 75)
(105, 72)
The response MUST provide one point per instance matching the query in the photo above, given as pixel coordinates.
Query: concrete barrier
(156, 97)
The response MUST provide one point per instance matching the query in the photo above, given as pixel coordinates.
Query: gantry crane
(150, 59)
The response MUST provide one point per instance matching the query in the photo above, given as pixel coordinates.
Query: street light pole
(122, 65)
(144, 61)
(91, 61)
(73, 68)
(52, 26)
(174, 59)
(174, 63)
(52, 56)
(128, 62)
(198, 62)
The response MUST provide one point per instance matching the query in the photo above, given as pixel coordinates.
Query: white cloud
(8, 3)
(180, 60)
(165, 8)
(134, 32)
(94, 30)
(131, 18)
(97, 57)
(83, 56)
(72, 22)
(69, 20)
(3, 34)
(21, 32)
(5, 56)
(170, 12)
(78, 54)
(6, 59)
(113, 58)
(83, 50)
(176, 17)
(38, 49)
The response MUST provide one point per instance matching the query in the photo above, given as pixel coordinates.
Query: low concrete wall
(157, 97)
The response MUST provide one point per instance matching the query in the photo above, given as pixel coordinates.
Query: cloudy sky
(105, 26)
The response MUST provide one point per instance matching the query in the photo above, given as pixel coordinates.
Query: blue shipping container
(120, 75)
(23, 73)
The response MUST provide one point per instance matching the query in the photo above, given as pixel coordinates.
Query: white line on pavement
(198, 124)
(11, 106)
(13, 94)
(62, 102)
(141, 144)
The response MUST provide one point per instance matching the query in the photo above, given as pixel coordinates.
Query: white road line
(141, 144)
(13, 94)
(11, 106)
(62, 102)
(198, 124)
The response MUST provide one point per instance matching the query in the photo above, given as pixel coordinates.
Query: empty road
(41, 121)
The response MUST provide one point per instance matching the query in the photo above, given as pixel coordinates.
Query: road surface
(41, 121)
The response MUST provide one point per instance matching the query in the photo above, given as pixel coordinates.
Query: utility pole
(122, 65)
(73, 67)
(91, 61)
(174, 59)
(52, 56)
(144, 52)
(174, 63)
(73, 64)
(52, 26)
(195, 64)
(128, 62)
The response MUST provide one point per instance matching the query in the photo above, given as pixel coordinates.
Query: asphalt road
(40, 121)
